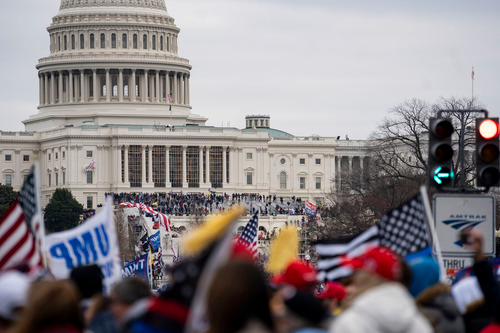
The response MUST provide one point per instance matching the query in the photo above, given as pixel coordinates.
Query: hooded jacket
(386, 308)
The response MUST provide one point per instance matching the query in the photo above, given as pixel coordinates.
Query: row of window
(8, 158)
(95, 41)
(283, 161)
(283, 183)
(89, 153)
(63, 173)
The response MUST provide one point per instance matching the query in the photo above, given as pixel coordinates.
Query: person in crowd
(93, 304)
(52, 307)
(298, 311)
(298, 274)
(14, 287)
(481, 316)
(125, 293)
(434, 298)
(238, 300)
(376, 301)
(331, 297)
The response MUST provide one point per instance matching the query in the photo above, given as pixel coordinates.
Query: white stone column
(181, 95)
(201, 167)
(144, 89)
(70, 87)
(126, 166)
(188, 92)
(167, 167)
(150, 165)
(83, 93)
(109, 89)
(120, 85)
(94, 84)
(41, 92)
(152, 90)
(167, 82)
(209, 182)
(184, 168)
(46, 89)
(232, 163)
(60, 87)
(224, 167)
(131, 87)
(157, 87)
(175, 94)
(52, 88)
(143, 166)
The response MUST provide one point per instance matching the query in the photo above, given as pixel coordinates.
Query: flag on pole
(248, 237)
(404, 230)
(311, 208)
(21, 227)
(472, 74)
(90, 166)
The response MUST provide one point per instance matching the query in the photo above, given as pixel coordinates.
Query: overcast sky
(325, 67)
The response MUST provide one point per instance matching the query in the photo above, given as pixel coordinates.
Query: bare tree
(127, 239)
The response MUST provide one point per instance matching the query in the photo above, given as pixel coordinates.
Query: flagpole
(472, 77)
(38, 195)
(432, 228)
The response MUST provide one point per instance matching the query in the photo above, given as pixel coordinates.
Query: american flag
(90, 166)
(404, 230)
(21, 227)
(248, 236)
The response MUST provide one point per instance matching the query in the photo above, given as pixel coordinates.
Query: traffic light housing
(440, 152)
(487, 152)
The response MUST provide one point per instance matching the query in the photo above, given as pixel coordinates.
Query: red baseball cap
(333, 290)
(298, 274)
(378, 260)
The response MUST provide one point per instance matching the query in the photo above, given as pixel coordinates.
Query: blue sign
(154, 241)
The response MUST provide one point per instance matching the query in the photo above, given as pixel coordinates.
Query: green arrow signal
(443, 175)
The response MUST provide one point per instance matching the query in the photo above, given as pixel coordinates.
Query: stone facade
(115, 91)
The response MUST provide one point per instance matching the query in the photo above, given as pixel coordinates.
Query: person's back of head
(51, 304)
(88, 280)
(237, 297)
(125, 293)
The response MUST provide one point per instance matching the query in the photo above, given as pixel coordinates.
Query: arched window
(168, 44)
(153, 42)
(92, 41)
(283, 180)
(124, 41)
(82, 42)
(65, 42)
(134, 41)
(125, 85)
(137, 90)
(113, 41)
(161, 43)
(103, 41)
(103, 86)
(145, 42)
(73, 42)
(114, 84)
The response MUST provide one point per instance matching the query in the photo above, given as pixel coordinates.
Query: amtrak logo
(462, 221)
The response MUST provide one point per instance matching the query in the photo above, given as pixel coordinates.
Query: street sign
(455, 212)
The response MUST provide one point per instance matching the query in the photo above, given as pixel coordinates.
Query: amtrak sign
(455, 212)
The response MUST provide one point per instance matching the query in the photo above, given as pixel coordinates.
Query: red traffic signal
(487, 152)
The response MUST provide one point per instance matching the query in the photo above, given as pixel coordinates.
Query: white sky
(326, 67)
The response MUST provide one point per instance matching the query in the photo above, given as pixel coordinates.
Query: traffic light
(487, 153)
(440, 152)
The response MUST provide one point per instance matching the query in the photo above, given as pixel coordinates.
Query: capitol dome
(113, 62)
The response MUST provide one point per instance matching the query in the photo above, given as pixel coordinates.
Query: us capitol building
(114, 115)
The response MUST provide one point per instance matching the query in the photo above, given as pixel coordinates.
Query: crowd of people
(187, 204)
(383, 294)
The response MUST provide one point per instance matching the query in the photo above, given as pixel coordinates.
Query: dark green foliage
(62, 212)
(7, 197)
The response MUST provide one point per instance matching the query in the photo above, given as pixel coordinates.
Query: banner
(93, 242)
(137, 268)
(154, 241)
